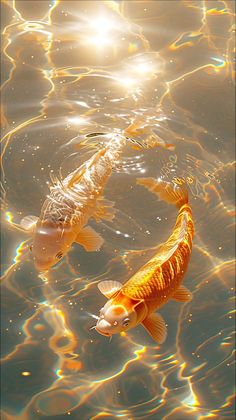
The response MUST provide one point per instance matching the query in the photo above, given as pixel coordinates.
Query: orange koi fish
(69, 206)
(158, 281)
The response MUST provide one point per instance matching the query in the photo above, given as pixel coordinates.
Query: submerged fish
(158, 280)
(74, 200)
(69, 206)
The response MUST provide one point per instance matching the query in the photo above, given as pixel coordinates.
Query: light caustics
(21, 250)
(130, 83)
(101, 29)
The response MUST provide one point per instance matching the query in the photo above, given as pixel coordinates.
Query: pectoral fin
(155, 326)
(104, 210)
(28, 223)
(109, 287)
(89, 239)
(182, 294)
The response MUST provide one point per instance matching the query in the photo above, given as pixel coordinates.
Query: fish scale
(76, 203)
(158, 280)
(161, 274)
(69, 206)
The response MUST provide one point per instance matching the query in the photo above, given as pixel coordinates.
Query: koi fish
(158, 281)
(69, 206)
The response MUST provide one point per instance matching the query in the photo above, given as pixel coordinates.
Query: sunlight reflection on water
(72, 68)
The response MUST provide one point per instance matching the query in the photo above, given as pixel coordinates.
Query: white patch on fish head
(115, 318)
(50, 243)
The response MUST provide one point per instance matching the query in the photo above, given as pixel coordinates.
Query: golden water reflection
(77, 67)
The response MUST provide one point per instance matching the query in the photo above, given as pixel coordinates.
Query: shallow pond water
(72, 68)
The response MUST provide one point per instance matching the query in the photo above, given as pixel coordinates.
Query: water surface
(71, 68)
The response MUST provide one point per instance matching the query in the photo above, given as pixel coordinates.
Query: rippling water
(71, 68)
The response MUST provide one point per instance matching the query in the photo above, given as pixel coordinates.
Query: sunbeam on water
(75, 75)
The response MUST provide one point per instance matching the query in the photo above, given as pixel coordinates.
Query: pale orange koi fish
(158, 281)
(69, 206)
(74, 200)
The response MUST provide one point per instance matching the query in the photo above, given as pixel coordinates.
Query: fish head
(115, 318)
(51, 241)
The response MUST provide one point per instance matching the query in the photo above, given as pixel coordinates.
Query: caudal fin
(171, 193)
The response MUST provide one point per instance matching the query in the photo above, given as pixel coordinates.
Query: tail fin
(172, 194)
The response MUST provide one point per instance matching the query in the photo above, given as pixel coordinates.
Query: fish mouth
(102, 332)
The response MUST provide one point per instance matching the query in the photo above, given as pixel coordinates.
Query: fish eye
(59, 255)
(126, 322)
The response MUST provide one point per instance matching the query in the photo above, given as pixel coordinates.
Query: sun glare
(76, 120)
(100, 31)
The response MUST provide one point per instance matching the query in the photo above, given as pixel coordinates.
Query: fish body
(69, 206)
(159, 280)
(74, 200)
